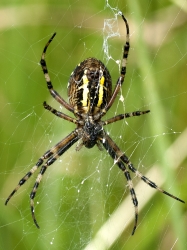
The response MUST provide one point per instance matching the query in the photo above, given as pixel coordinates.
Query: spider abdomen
(90, 86)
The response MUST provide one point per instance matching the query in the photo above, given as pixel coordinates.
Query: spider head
(91, 133)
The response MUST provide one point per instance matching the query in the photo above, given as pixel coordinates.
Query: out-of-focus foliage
(79, 192)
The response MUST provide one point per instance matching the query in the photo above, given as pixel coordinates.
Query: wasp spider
(90, 97)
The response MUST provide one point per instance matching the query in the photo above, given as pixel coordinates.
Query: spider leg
(132, 192)
(48, 80)
(123, 69)
(123, 116)
(146, 180)
(26, 177)
(65, 144)
(125, 159)
(115, 153)
(49, 153)
(119, 158)
(60, 114)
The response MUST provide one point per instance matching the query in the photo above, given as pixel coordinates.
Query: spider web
(83, 201)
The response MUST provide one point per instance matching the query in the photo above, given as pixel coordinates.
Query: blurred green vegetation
(80, 191)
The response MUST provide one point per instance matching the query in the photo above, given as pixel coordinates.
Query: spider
(90, 97)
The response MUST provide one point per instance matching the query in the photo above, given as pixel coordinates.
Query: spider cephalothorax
(90, 97)
(90, 133)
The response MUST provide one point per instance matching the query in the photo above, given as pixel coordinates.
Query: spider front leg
(120, 158)
(64, 145)
(52, 155)
(33, 169)
(115, 153)
(28, 175)
(146, 180)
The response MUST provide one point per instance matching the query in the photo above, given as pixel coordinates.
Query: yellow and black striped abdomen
(90, 86)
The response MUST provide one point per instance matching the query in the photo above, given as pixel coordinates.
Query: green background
(81, 190)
